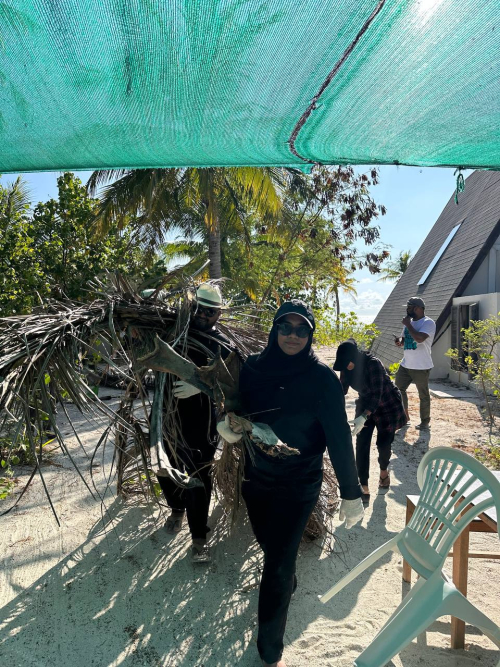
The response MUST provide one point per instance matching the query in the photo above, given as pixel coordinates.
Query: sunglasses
(285, 329)
(201, 310)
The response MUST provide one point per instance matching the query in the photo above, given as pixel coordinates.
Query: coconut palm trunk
(337, 307)
(214, 253)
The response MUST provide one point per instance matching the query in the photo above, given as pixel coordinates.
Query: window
(438, 254)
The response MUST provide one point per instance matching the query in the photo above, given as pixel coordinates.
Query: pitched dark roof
(479, 212)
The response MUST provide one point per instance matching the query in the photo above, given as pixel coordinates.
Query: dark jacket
(377, 393)
(307, 412)
(197, 414)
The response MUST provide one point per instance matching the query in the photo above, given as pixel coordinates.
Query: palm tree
(15, 198)
(188, 199)
(395, 269)
(342, 282)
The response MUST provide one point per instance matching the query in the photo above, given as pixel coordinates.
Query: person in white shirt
(416, 339)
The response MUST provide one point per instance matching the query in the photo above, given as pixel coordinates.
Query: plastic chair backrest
(449, 480)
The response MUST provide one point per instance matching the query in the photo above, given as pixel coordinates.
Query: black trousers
(278, 512)
(196, 460)
(363, 443)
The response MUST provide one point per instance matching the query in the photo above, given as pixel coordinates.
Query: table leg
(460, 571)
(410, 508)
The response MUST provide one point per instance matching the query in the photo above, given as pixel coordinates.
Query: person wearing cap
(287, 388)
(197, 418)
(379, 406)
(416, 339)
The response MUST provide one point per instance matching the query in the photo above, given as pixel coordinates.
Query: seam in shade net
(460, 183)
(328, 80)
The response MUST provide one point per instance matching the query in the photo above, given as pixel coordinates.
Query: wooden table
(485, 523)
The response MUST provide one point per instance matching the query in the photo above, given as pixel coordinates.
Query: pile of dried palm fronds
(51, 355)
(56, 354)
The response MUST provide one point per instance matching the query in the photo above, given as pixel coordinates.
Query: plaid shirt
(377, 394)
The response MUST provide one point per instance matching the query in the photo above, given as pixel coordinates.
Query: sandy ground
(110, 587)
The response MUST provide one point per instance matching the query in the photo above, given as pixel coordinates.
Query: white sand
(77, 596)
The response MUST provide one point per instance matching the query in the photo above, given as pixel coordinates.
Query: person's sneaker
(200, 553)
(424, 426)
(173, 525)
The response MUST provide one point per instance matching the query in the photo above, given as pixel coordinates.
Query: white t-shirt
(417, 356)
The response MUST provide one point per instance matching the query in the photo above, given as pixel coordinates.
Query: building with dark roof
(456, 272)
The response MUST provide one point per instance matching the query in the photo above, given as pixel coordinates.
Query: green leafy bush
(333, 331)
(393, 369)
(480, 359)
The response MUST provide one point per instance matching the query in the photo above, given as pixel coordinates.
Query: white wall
(484, 289)
(486, 280)
(441, 345)
(479, 282)
(489, 305)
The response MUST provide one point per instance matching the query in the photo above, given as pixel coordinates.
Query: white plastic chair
(449, 480)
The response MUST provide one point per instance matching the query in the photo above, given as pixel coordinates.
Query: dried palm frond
(319, 524)
(52, 355)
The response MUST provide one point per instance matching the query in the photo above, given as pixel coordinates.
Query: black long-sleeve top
(307, 412)
(197, 413)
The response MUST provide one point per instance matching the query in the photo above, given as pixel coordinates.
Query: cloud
(369, 300)
(366, 306)
(365, 281)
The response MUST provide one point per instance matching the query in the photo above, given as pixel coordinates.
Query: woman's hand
(357, 424)
(231, 429)
(239, 424)
(351, 511)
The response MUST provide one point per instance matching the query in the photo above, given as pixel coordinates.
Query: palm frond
(102, 177)
(46, 358)
(396, 267)
(16, 198)
(145, 194)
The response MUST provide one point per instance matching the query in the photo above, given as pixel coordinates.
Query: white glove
(226, 432)
(352, 511)
(357, 424)
(184, 390)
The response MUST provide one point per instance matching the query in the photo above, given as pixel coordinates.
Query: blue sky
(414, 198)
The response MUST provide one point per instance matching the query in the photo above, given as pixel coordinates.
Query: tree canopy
(54, 250)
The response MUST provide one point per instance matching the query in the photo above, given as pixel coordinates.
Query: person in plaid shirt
(379, 405)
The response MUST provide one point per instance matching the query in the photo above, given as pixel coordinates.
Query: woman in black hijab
(379, 405)
(301, 399)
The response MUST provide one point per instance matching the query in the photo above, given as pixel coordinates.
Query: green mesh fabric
(89, 84)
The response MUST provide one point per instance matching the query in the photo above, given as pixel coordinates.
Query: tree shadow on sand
(133, 597)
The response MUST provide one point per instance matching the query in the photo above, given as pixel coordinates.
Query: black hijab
(273, 365)
(346, 353)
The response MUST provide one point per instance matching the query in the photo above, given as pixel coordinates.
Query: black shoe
(173, 525)
(424, 426)
(200, 553)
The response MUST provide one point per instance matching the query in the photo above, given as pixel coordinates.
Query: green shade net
(95, 84)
